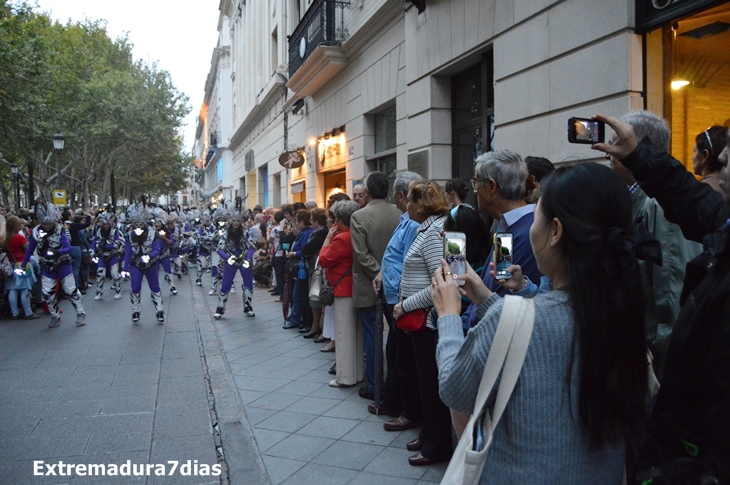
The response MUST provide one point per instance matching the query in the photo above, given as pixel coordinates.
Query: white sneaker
(118, 296)
(250, 313)
(233, 290)
(212, 291)
(98, 296)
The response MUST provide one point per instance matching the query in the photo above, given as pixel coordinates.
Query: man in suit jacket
(370, 231)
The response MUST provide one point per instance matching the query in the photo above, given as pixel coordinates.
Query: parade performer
(219, 227)
(142, 248)
(105, 251)
(167, 237)
(54, 250)
(202, 232)
(236, 251)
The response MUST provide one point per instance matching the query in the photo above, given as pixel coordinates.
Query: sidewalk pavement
(111, 391)
(308, 432)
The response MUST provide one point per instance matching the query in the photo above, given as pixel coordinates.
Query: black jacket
(691, 418)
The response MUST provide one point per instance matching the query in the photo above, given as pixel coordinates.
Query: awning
(297, 188)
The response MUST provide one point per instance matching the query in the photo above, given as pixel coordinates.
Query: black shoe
(365, 394)
(333, 370)
(161, 316)
(321, 340)
(219, 312)
(135, 317)
(179, 276)
(306, 335)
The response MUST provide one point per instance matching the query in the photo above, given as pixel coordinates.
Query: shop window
(688, 76)
(472, 107)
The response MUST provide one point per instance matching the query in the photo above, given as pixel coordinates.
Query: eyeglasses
(474, 183)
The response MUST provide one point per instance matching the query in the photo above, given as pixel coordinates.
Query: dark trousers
(391, 390)
(279, 264)
(436, 431)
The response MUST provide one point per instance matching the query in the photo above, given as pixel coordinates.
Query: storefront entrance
(334, 182)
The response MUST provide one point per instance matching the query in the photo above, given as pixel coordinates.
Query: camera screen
(586, 130)
(455, 255)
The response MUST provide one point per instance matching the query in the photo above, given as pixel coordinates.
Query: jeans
(301, 313)
(24, 298)
(76, 263)
(368, 316)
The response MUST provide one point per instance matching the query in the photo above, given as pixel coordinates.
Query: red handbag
(414, 321)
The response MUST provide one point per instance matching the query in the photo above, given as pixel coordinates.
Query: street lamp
(16, 187)
(58, 141)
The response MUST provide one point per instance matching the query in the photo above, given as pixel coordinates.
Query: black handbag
(327, 292)
(292, 267)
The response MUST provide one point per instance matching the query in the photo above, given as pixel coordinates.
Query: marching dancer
(142, 249)
(106, 248)
(219, 227)
(202, 232)
(167, 237)
(235, 250)
(54, 250)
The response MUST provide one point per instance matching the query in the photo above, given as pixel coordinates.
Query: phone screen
(585, 130)
(455, 254)
(503, 245)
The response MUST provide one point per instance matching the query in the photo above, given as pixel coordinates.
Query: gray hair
(507, 169)
(403, 181)
(310, 204)
(645, 124)
(343, 210)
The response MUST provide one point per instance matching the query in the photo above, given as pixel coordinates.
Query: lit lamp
(678, 84)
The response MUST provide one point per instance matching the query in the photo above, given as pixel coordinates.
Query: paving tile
(135, 380)
(404, 437)
(117, 433)
(325, 427)
(313, 405)
(371, 433)
(285, 421)
(298, 447)
(130, 404)
(320, 475)
(28, 396)
(182, 367)
(201, 448)
(355, 456)
(182, 419)
(266, 438)
(365, 478)
(249, 396)
(350, 410)
(435, 473)
(181, 389)
(394, 462)
(259, 384)
(280, 469)
(256, 415)
(82, 407)
(276, 401)
(56, 438)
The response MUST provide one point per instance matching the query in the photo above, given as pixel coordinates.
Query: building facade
(428, 86)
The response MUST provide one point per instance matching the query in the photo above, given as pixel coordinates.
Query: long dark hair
(606, 297)
(478, 238)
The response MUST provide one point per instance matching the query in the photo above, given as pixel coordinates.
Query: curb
(236, 446)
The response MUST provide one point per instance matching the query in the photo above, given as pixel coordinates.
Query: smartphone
(586, 130)
(503, 244)
(479, 433)
(455, 254)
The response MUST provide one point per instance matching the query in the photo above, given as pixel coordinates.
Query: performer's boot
(247, 299)
(222, 300)
(136, 300)
(157, 300)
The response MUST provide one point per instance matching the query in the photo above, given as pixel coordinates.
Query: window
(385, 133)
(472, 103)
(274, 49)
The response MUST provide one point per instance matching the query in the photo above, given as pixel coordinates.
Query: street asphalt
(240, 393)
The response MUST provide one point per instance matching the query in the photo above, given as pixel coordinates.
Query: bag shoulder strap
(342, 277)
(508, 350)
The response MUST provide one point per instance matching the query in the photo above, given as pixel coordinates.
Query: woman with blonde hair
(417, 368)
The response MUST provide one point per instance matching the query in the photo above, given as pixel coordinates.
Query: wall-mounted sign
(331, 152)
(291, 159)
(652, 14)
(418, 162)
(350, 153)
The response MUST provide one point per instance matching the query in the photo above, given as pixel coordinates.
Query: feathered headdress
(137, 214)
(159, 215)
(47, 213)
(105, 217)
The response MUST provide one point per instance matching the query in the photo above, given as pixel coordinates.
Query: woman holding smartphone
(583, 386)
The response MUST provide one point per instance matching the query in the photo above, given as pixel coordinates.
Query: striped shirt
(421, 262)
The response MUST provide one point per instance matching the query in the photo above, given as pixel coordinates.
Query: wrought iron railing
(323, 23)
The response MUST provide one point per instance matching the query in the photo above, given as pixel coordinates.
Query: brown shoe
(383, 411)
(415, 445)
(401, 424)
(419, 460)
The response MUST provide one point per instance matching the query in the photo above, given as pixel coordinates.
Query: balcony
(315, 47)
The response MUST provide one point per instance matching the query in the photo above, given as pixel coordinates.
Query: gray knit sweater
(539, 438)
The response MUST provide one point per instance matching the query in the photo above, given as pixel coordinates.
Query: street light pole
(16, 187)
(58, 142)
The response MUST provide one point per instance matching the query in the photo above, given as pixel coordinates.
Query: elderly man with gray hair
(500, 182)
(662, 284)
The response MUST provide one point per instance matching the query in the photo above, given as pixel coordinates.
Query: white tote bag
(508, 350)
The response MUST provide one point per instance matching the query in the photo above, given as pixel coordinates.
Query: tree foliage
(116, 114)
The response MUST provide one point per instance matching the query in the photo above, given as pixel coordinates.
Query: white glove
(95, 260)
(232, 260)
(19, 271)
(124, 274)
(145, 258)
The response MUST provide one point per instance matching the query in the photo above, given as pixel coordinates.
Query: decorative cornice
(215, 60)
(320, 67)
(275, 87)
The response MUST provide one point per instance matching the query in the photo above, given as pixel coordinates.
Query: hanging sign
(651, 14)
(291, 159)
